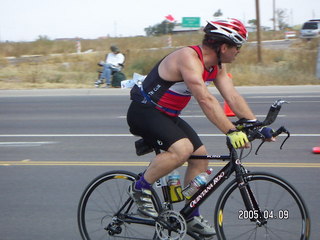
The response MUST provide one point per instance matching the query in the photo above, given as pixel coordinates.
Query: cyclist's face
(229, 53)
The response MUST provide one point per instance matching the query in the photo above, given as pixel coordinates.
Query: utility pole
(274, 15)
(258, 32)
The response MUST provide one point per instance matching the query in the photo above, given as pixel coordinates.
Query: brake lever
(258, 148)
(257, 135)
(283, 130)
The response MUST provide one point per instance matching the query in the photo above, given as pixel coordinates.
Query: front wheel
(282, 209)
(106, 211)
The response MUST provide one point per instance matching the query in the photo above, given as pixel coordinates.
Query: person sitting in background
(113, 63)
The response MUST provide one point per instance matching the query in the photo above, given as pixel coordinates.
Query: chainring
(171, 226)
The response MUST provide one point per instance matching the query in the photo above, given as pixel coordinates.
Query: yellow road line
(116, 163)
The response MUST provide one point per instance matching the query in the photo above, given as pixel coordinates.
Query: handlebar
(273, 112)
(252, 129)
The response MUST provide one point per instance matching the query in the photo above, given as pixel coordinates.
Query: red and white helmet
(229, 29)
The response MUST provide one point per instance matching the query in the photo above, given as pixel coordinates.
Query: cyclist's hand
(238, 139)
(267, 133)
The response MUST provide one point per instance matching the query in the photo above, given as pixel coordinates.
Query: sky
(26, 20)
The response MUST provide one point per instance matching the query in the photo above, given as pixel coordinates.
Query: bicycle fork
(251, 204)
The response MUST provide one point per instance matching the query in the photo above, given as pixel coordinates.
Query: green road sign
(190, 22)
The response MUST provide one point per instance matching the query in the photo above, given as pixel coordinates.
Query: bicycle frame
(234, 165)
(200, 196)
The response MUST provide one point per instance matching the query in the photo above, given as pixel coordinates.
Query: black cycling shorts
(158, 129)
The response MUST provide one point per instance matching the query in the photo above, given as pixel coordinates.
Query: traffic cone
(227, 110)
(316, 150)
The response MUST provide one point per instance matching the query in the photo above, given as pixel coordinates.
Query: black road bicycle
(254, 205)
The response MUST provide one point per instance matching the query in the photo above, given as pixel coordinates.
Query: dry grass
(292, 66)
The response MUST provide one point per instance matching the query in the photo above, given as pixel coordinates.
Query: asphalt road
(274, 44)
(53, 142)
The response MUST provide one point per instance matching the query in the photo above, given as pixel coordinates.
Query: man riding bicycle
(167, 89)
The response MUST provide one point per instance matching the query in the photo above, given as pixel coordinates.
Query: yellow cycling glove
(238, 139)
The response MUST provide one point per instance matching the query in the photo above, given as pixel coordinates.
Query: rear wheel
(106, 211)
(283, 210)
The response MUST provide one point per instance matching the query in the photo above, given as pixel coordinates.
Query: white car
(310, 29)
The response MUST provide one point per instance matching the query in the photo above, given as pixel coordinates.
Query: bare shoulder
(173, 64)
(189, 62)
(185, 53)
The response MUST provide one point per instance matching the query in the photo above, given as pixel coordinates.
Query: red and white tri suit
(169, 97)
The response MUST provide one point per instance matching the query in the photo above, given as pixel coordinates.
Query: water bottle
(174, 186)
(196, 184)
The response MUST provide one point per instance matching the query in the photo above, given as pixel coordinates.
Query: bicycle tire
(99, 211)
(282, 206)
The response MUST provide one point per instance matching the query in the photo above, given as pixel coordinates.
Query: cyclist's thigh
(157, 128)
(190, 133)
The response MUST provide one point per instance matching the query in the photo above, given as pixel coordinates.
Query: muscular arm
(191, 70)
(236, 102)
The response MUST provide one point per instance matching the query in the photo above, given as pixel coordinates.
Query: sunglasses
(238, 47)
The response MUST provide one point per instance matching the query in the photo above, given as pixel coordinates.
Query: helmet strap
(218, 52)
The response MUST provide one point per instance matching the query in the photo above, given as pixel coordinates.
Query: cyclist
(167, 89)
